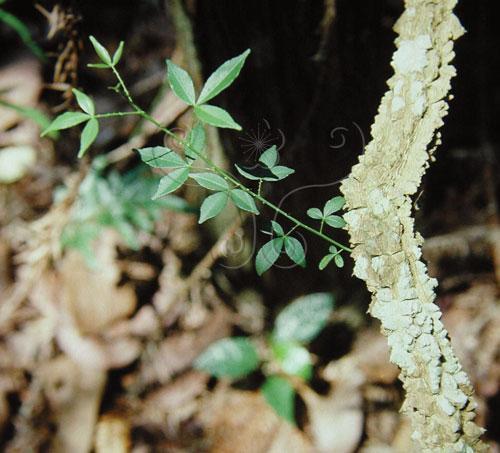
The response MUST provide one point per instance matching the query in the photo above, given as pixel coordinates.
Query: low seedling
(285, 358)
(120, 202)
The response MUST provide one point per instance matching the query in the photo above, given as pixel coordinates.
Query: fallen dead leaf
(242, 422)
(473, 321)
(92, 297)
(16, 162)
(112, 434)
(178, 351)
(336, 420)
(74, 394)
(173, 403)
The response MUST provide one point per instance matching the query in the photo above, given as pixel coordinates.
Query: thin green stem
(292, 230)
(322, 225)
(227, 176)
(116, 114)
(126, 92)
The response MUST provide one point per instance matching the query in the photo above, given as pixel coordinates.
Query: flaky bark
(386, 250)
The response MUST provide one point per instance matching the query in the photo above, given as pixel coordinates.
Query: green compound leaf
(332, 249)
(210, 181)
(339, 261)
(161, 157)
(293, 358)
(281, 172)
(222, 77)
(171, 182)
(277, 228)
(315, 213)
(65, 121)
(101, 51)
(335, 221)
(333, 205)
(325, 261)
(268, 254)
(215, 116)
(243, 200)
(85, 103)
(88, 136)
(233, 357)
(181, 83)
(280, 395)
(212, 206)
(118, 53)
(295, 251)
(303, 319)
(269, 157)
(196, 140)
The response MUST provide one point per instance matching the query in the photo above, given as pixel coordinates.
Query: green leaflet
(210, 181)
(181, 83)
(161, 157)
(215, 116)
(303, 319)
(89, 134)
(171, 182)
(269, 157)
(295, 251)
(233, 357)
(196, 141)
(84, 101)
(212, 206)
(65, 121)
(243, 200)
(280, 395)
(101, 51)
(222, 77)
(268, 254)
(333, 205)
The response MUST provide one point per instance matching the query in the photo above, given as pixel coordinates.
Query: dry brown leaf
(92, 297)
(179, 350)
(251, 311)
(112, 434)
(170, 283)
(371, 354)
(16, 162)
(242, 422)
(336, 420)
(174, 403)
(74, 394)
(382, 426)
(473, 321)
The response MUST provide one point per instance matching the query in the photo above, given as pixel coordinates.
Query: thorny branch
(386, 249)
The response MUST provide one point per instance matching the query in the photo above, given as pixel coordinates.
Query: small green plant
(120, 202)
(195, 163)
(285, 358)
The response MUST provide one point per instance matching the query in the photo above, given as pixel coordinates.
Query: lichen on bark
(387, 251)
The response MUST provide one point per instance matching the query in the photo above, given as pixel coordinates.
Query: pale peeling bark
(386, 250)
